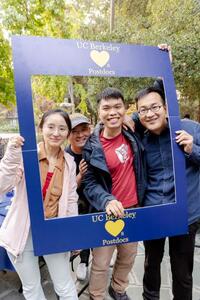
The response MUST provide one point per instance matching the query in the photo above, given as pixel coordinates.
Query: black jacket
(98, 181)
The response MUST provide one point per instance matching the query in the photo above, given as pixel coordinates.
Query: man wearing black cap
(78, 137)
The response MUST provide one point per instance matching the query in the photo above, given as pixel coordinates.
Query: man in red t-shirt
(114, 181)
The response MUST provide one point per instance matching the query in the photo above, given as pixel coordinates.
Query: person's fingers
(166, 47)
(82, 161)
(163, 46)
(185, 140)
(16, 141)
(128, 123)
(83, 169)
(84, 165)
(180, 137)
(115, 207)
(108, 211)
(182, 133)
(183, 136)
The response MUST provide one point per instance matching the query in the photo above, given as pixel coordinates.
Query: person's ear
(98, 112)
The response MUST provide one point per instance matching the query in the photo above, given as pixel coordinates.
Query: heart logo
(100, 58)
(114, 228)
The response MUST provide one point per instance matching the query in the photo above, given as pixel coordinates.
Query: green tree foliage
(181, 28)
(37, 17)
(176, 22)
(6, 75)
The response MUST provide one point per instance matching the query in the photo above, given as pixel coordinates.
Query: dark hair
(109, 93)
(187, 116)
(61, 112)
(158, 83)
(148, 90)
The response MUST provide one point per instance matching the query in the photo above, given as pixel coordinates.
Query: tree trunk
(71, 93)
(112, 14)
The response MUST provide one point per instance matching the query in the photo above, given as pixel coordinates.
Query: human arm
(158, 83)
(11, 170)
(133, 123)
(98, 197)
(189, 140)
(93, 190)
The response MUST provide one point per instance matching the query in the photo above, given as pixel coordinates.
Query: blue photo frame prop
(48, 56)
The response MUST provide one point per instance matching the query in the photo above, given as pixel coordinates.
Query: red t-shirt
(119, 160)
(46, 184)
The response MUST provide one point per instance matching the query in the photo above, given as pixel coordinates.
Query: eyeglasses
(144, 110)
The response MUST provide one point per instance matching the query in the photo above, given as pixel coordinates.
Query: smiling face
(111, 113)
(79, 136)
(54, 130)
(152, 112)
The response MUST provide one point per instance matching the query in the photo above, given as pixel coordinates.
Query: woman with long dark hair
(58, 179)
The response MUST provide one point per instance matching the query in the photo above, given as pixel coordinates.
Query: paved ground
(9, 282)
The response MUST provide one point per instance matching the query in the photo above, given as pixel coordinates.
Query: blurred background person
(77, 139)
